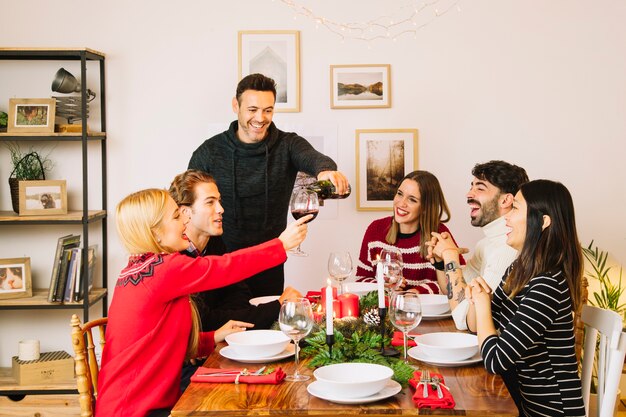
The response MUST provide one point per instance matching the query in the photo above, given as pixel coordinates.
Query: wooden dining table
(475, 391)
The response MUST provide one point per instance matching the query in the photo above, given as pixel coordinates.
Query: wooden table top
(476, 392)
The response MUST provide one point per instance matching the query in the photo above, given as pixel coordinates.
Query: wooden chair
(85, 362)
(579, 328)
(609, 359)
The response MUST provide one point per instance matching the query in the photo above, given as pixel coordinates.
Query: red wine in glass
(302, 203)
(297, 214)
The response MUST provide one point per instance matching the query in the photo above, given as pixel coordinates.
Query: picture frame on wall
(31, 115)
(15, 279)
(275, 54)
(366, 86)
(383, 158)
(43, 198)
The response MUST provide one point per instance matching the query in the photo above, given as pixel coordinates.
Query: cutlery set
(435, 382)
(244, 371)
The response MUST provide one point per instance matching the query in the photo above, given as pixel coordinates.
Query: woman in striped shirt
(526, 332)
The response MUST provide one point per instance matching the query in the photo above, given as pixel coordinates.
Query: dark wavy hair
(507, 177)
(183, 187)
(553, 249)
(257, 82)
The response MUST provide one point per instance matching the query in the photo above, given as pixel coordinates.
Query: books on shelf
(64, 243)
(79, 284)
(68, 279)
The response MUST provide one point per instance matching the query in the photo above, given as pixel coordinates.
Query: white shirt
(492, 256)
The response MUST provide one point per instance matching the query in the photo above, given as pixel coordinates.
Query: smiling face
(206, 211)
(255, 110)
(516, 220)
(171, 229)
(484, 201)
(406, 206)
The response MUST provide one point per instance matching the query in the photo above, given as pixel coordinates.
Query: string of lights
(407, 19)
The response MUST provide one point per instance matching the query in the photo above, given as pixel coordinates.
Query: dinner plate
(437, 316)
(415, 353)
(229, 353)
(263, 300)
(317, 389)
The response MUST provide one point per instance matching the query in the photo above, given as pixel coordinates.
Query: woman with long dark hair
(526, 332)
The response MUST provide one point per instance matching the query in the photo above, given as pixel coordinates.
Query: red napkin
(398, 340)
(275, 377)
(432, 401)
(313, 296)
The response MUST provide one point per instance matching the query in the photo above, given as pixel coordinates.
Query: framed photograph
(383, 158)
(15, 279)
(43, 198)
(275, 54)
(360, 86)
(31, 115)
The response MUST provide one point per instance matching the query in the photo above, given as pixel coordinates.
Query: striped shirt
(534, 351)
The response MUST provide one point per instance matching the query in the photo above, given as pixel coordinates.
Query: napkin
(398, 340)
(313, 296)
(432, 401)
(274, 377)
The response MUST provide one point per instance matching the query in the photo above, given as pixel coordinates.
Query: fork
(425, 379)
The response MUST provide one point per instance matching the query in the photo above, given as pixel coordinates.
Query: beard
(487, 213)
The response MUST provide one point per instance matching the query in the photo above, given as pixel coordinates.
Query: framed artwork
(15, 279)
(31, 115)
(43, 198)
(275, 54)
(360, 86)
(383, 158)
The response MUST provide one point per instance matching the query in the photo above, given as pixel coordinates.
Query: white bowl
(257, 343)
(434, 304)
(360, 288)
(353, 380)
(448, 346)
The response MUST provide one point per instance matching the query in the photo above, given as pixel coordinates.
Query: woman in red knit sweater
(153, 325)
(419, 208)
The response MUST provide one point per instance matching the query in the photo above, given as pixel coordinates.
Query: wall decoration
(383, 158)
(15, 279)
(43, 198)
(276, 54)
(360, 86)
(31, 115)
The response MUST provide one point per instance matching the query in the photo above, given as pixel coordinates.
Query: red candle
(323, 302)
(336, 309)
(318, 314)
(349, 305)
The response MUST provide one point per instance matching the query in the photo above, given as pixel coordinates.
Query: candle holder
(382, 313)
(330, 341)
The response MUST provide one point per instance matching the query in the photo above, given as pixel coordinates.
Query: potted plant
(4, 118)
(26, 166)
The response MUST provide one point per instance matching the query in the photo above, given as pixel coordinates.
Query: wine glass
(303, 201)
(405, 312)
(296, 321)
(340, 267)
(391, 259)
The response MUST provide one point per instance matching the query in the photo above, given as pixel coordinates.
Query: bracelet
(439, 266)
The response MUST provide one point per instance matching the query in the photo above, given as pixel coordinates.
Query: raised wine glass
(405, 312)
(391, 259)
(296, 321)
(303, 202)
(340, 267)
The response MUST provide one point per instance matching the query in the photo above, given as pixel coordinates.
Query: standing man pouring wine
(255, 165)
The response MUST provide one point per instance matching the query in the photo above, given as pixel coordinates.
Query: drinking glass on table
(391, 259)
(296, 321)
(405, 312)
(340, 267)
(303, 201)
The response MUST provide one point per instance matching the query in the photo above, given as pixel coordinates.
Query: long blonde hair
(138, 217)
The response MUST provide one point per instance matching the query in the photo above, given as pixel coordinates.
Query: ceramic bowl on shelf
(353, 380)
(434, 304)
(448, 346)
(258, 343)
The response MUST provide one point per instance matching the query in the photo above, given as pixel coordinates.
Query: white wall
(540, 84)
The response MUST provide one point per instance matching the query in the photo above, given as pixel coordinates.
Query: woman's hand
(440, 243)
(479, 293)
(232, 326)
(295, 232)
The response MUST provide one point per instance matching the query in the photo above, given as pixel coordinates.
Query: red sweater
(150, 321)
(419, 272)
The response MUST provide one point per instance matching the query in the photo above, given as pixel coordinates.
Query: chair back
(85, 362)
(607, 326)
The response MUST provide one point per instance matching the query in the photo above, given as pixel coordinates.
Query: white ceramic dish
(263, 300)
(360, 288)
(434, 304)
(258, 343)
(353, 380)
(437, 316)
(319, 390)
(415, 353)
(229, 353)
(448, 346)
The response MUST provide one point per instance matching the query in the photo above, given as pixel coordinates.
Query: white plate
(360, 288)
(229, 353)
(415, 353)
(437, 316)
(263, 300)
(317, 389)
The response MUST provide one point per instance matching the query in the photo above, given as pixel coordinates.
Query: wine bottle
(325, 190)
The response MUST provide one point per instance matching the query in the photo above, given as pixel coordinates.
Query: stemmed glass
(392, 267)
(405, 312)
(303, 201)
(340, 267)
(296, 321)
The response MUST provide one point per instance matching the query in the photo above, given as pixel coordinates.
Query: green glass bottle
(325, 190)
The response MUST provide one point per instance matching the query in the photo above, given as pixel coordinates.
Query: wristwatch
(451, 266)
